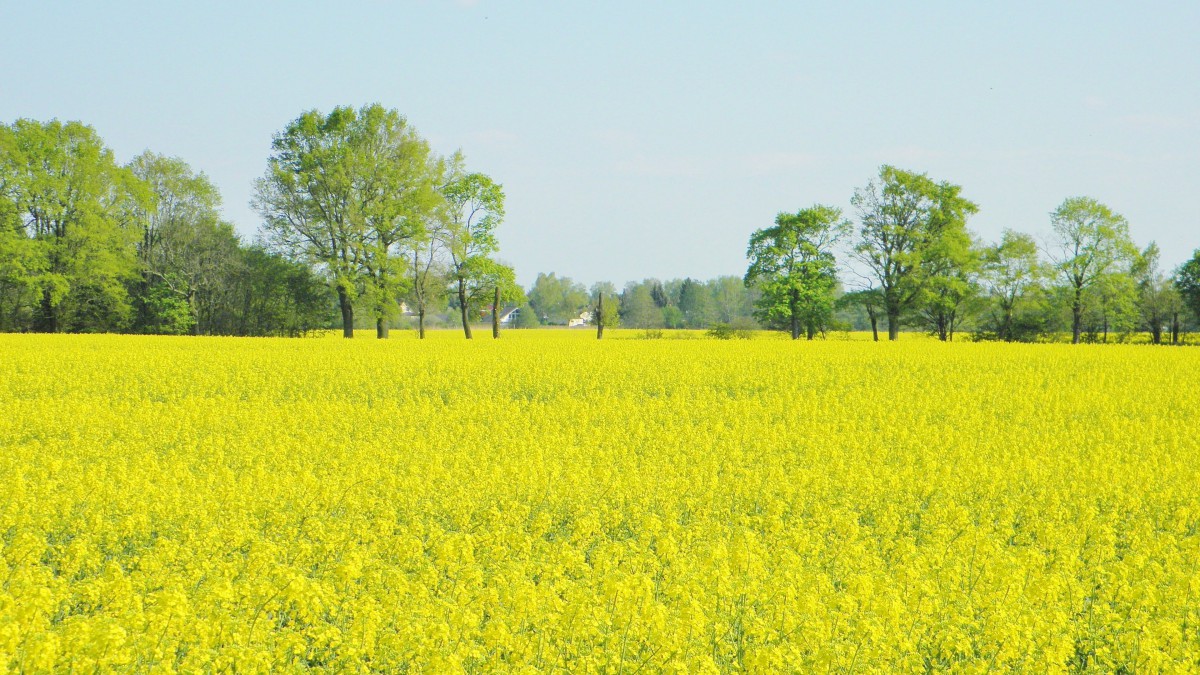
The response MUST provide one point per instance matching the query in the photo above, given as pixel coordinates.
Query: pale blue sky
(641, 139)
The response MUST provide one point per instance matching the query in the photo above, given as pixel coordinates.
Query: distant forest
(364, 225)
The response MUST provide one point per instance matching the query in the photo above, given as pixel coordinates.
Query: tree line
(88, 245)
(919, 266)
(359, 214)
(363, 223)
(647, 304)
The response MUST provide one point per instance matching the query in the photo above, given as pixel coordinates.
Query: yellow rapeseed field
(550, 502)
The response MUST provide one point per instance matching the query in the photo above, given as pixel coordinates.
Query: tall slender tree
(1157, 297)
(1011, 269)
(474, 208)
(426, 274)
(398, 192)
(1091, 242)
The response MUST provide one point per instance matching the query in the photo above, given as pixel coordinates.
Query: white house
(584, 319)
(509, 316)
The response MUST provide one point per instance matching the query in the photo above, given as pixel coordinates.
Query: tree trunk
(421, 321)
(1175, 328)
(347, 313)
(811, 330)
(191, 301)
(600, 316)
(893, 317)
(874, 324)
(462, 306)
(381, 328)
(795, 318)
(47, 321)
(496, 315)
(1077, 316)
(1106, 328)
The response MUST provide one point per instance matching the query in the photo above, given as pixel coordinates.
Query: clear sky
(639, 139)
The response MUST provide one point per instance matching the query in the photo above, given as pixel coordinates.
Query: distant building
(508, 316)
(584, 319)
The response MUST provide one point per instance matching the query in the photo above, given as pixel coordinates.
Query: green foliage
(1187, 282)
(673, 317)
(727, 331)
(1012, 274)
(24, 271)
(1157, 299)
(557, 300)
(163, 311)
(526, 317)
(1111, 307)
(908, 222)
(793, 265)
(67, 214)
(638, 306)
(1092, 244)
(732, 301)
(611, 316)
(951, 268)
(473, 209)
(271, 295)
(482, 276)
(344, 191)
(184, 249)
(695, 303)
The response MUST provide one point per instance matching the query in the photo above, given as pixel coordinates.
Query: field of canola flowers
(550, 502)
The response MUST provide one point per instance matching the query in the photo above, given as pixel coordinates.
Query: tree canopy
(793, 265)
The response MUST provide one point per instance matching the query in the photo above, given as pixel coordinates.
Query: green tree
(732, 302)
(526, 317)
(308, 203)
(344, 191)
(695, 302)
(505, 293)
(638, 306)
(951, 269)
(24, 267)
(557, 300)
(70, 212)
(474, 208)
(904, 218)
(1012, 269)
(427, 274)
(1187, 283)
(793, 265)
(398, 183)
(870, 300)
(1091, 243)
(1157, 297)
(185, 250)
(268, 294)
(606, 306)
(1110, 306)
